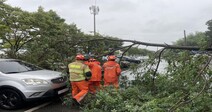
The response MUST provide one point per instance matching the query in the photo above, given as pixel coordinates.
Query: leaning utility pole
(94, 10)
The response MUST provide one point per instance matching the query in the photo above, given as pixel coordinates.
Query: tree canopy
(45, 38)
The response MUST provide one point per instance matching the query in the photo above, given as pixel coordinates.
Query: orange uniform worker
(96, 70)
(112, 72)
(78, 72)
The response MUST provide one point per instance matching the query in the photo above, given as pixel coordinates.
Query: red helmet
(80, 57)
(111, 57)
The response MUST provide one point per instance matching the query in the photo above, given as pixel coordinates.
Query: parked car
(21, 81)
(128, 59)
(125, 64)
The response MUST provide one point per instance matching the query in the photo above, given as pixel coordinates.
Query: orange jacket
(97, 62)
(86, 62)
(112, 71)
(96, 71)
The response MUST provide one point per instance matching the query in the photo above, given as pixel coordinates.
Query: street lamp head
(94, 9)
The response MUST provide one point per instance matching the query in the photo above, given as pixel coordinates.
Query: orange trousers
(115, 84)
(79, 89)
(94, 85)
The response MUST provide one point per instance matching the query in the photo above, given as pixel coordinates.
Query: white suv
(21, 81)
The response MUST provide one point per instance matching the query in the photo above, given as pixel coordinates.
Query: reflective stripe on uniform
(75, 66)
(77, 70)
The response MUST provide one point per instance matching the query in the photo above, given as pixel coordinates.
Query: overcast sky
(155, 21)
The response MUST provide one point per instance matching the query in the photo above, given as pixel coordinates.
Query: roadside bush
(130, 100)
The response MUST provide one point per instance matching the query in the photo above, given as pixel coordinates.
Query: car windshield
(16, 66)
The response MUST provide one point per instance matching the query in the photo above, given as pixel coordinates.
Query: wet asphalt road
(56, 106)
(51, 105)
(27, 106)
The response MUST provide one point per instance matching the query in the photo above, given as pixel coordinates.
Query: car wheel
(10, 99)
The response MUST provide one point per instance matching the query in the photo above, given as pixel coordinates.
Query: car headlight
(35, 81)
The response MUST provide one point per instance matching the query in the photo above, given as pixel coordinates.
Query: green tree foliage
(98, 45)
(197, 39)
(59, 41)
(183, 88)
(134, 51)
(52, 44)
(46, 38)
(16, 29)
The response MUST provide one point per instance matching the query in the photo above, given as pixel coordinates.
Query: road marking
(37, 107)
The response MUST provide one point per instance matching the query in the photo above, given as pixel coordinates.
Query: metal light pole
(94, 10)
(185, 37)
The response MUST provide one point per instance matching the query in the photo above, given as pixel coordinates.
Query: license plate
(62, 91)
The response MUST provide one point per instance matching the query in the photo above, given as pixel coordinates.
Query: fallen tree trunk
(167, 46)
